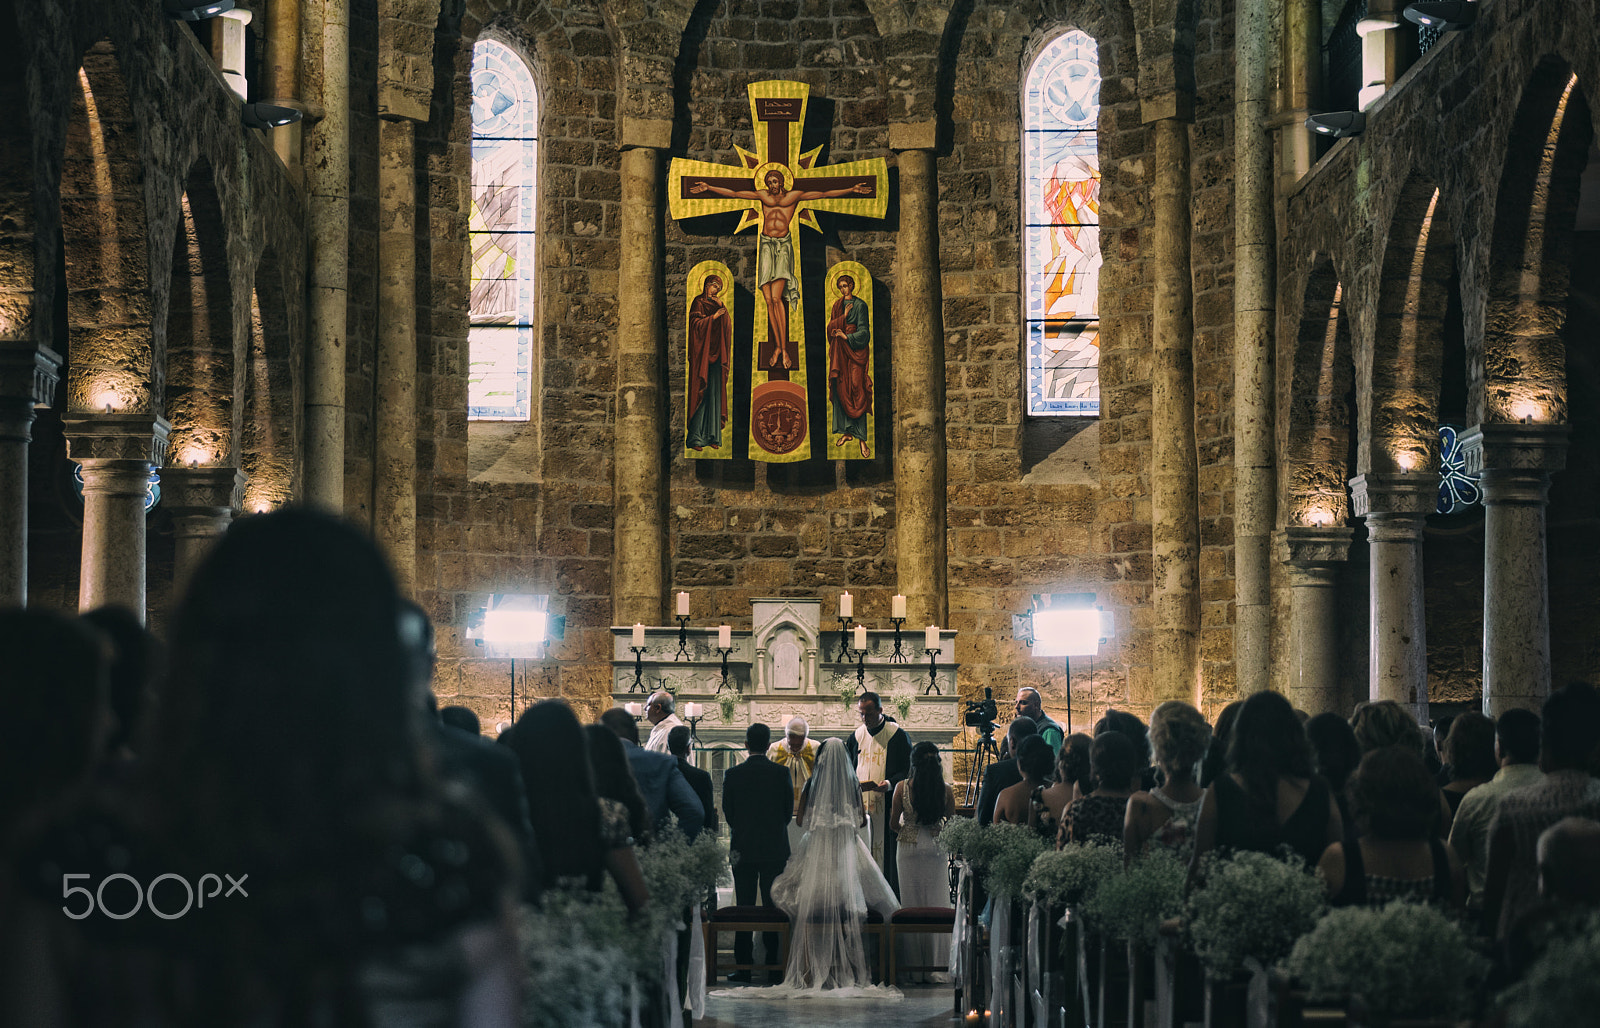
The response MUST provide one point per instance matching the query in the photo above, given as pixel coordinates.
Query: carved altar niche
(786, 642)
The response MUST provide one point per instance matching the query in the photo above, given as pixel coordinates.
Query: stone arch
(1520, 371)
(25, 293)
(269, 421)
(109, 302)
(1316, 446)
(199, 331)
(1400, 398)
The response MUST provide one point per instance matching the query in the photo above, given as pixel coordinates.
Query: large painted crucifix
(778, 189)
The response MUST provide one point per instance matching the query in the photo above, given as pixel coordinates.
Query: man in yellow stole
(796, 754)
(882, 752)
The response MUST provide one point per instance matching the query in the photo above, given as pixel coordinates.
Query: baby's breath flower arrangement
(1011, 851)
(1407, 959)
(1563, 986)
(957, 834)
(727, 707)
(574, 976)
(1068, 875)
(1251, 905)
(1131, 904)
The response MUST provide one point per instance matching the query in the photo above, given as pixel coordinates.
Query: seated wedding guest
(581, 835)
(288, 749)
(1003, 774)
(1393, 851)
(1335, 754)
(1569, 891)
(1022, 804)
(1129, 725)
(1270, 797)
(699, 781)
(1073, 778)
(1469, 754)
(1216, 762)
(461, 718)
(660, 782)
(613, 780)
(1166, 815)
(1439, 732)
(1516, 751)
(1569, 726)
(1099, 816)
(138, 662)
(1380, 723)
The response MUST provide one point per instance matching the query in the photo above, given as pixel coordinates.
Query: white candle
(683, 605)
(861, 637)
(691, 710)
(724, 637)
(930, 638)
(633, 709)
(847, 605)
(897, 607)
(638, 635)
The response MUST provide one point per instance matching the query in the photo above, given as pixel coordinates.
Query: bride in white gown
(829, 885)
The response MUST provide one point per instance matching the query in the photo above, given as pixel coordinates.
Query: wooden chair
(874, 926)
(746, 919)
(917, 921)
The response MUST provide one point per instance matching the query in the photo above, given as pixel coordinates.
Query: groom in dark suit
(757, 802)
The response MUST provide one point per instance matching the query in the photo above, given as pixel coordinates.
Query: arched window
(1061, 225)
(501, 227)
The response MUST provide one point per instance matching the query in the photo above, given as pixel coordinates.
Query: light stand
(638, 670)
(898, 656)
(933, 672)
(724, 683)
(683, 638)
(844, 640)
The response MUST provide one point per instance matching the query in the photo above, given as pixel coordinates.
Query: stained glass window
(500, 227)
(1061, 162)
(1458, 489)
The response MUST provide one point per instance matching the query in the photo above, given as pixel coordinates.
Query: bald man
(796, 754)
(660, 710)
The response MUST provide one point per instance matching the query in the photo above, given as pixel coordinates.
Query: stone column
(27, 377)
(394, 488)
(1314, 556)
(117, 452)
(327, 33)
(639, 560)
(1302, 89)
(1174, 479)
(920, 470)
(1515, 461)
(283, 78)
(1396, 507)
(201, 502)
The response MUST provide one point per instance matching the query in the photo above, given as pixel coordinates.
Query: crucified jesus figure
(775, 264)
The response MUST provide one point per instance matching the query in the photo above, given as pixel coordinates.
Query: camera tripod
(987, 753)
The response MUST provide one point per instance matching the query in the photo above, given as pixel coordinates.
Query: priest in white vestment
(659, 711)
(881, 750)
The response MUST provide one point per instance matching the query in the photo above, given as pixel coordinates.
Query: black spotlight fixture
(197, 10)
(1337, 124)
(268, 116)
(1444, 15)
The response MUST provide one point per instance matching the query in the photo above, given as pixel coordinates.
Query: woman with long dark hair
(613, 779)
(1271, 797)
(917, 811)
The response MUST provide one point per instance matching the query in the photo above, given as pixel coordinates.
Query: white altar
(788, 665)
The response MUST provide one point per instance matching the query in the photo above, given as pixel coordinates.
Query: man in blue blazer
(660, 782)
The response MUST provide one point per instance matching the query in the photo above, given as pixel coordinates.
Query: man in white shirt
(659, 712)
(1516, 747)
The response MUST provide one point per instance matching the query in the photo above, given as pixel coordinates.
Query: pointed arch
(1521, 369)
(110, 341)
(1322, 380)
(199, 351)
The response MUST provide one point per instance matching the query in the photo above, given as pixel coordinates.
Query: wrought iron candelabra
(899, 655)
(724, 683)
(933, 673)
(638, 670)
(683, 638)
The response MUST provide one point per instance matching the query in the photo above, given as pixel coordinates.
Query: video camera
(982, 713)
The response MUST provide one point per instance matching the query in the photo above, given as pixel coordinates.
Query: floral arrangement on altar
(1563, 986)
(1406, 959)
(1131, 904)
(1069, 875)
(728, 707)
(902, 705)
(958, 835)
(1009, 852)
(1251, 906)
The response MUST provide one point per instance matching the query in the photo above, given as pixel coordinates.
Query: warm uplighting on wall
(194, 456)
(1318, 517)
(1407, 460)
(1527, 411)
(105, 400)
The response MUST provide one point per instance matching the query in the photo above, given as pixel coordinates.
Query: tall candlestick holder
(933, 673)
(694, 726)
(861, 668)
(638, 670)
(899, 655)
(844, 640)
(683, 638)
(724, 683)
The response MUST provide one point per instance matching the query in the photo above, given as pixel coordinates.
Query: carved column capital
(100, 438)
(28, 372)
(1307, 547)
(1393, 493)
(1514, 447)
(202, 492)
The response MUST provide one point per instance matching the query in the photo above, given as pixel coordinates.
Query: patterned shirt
(1528, 812)
(1469, 833)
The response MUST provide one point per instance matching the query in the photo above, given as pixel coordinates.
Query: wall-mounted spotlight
(1337, 124)
(196, 10)
(1446, 15)
(268, 116)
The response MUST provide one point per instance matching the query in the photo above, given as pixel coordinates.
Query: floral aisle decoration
(1563, 986)
(1009, 852)
(1406, 959)
(1131, 904)
(1067, 876)
(573, 975)
(958, 834)
(1252, 906)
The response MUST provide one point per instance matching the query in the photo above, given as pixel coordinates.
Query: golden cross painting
(778, 189)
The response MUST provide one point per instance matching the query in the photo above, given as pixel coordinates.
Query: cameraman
(1031, 705)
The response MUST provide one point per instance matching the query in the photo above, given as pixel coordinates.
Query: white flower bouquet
(1563, 986)
(1131, 904)
(576, 960)
(1009, 852)
(1251, 906)
(958, 834)
(1069, 874)
(1407, 959)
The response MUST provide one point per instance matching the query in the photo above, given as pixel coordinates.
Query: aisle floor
(924, 1006)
